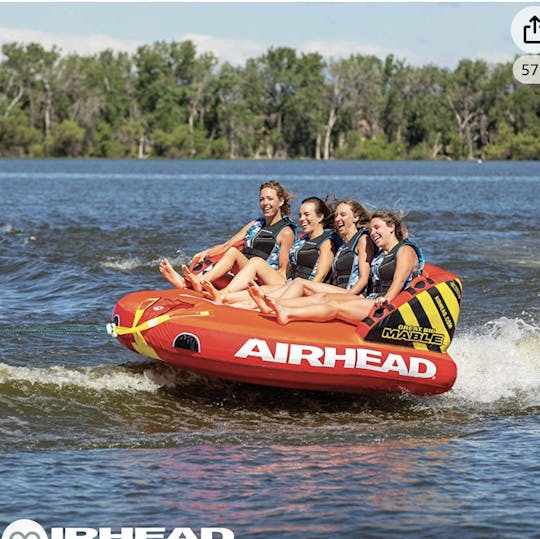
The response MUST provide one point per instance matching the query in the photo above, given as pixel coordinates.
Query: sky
(439, 33)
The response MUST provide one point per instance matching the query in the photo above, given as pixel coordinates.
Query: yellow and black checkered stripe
(426, 321)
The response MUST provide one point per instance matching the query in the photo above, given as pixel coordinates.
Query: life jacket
(261, 240)
(305, 254)
(383, 268)
(345, 268)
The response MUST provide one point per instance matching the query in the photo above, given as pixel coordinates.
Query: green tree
(429, 121)
(395, 79)
(160, 83)
(29, 82)
(465, 97)
(355, 100)
(16, 137)
(282, 89)
(166, 100)
(239, 124)
(65, 140)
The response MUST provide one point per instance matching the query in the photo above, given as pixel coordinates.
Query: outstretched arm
(221, 247)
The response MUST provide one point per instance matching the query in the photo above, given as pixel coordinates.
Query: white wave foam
(6, 229)
(499, 361)
(123, 264)
(134, 262)
(94, 378)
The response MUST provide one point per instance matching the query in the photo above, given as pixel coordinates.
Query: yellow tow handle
(140, 344)
(153, 322)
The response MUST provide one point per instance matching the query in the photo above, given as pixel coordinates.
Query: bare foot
(281, 315)
(211, 291)
(171, 274)
(257, 295)
(192, 278)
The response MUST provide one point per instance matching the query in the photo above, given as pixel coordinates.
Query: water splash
(113, 379)
(134, 262)
(498, 370)
(123, 264)
(499, 361)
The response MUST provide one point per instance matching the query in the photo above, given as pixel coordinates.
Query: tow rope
(136, 329)
(79, 331)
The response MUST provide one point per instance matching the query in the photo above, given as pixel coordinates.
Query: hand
(200, 255)
(379, 302)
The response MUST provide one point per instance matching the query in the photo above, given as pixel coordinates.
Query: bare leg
(354, 309)
(348, 308)
(241, 300)
(248, 304)
(303, 301)
(231, 259)
(257, 268)
(244, 295)
(295, 288)
(282, 313)
(171, 274)
(302, 287)
(322, 311)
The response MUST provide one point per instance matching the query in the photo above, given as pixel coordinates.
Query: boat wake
(100, 379)
(130, 263)
(498, 366)
(498, 362)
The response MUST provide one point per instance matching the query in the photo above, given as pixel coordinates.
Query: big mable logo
(29, 529)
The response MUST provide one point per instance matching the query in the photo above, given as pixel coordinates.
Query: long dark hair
(322, 208)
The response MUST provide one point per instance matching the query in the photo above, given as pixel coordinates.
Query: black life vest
(307, 257)
(265, 240)
(387, 268)
(344, 261)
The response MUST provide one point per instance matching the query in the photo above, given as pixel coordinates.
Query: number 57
(527, 69)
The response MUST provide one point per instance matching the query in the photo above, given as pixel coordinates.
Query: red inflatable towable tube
(401, 348)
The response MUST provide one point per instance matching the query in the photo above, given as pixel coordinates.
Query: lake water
(94, 435)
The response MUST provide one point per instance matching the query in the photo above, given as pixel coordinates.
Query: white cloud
(238, 51)
(235, 51)
(343, 49)
(68, 43)
(493, 57)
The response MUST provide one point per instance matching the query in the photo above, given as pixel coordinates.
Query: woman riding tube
(269, 238)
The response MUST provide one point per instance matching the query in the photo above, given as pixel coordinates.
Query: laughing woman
(269, 238)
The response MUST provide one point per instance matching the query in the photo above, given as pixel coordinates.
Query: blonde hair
(393, 218)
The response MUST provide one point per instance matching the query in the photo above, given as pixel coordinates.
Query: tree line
(167, 100)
